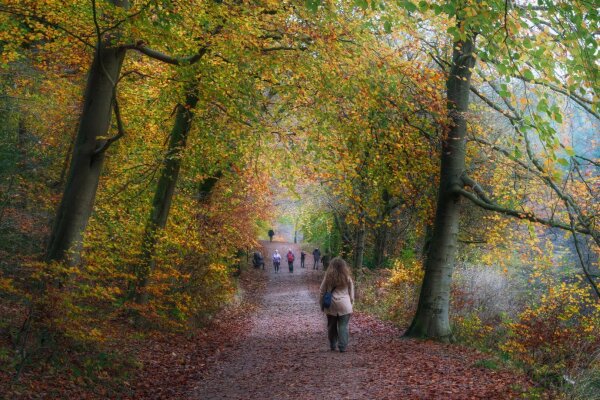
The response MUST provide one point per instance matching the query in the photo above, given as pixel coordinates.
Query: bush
(392, 293)
(559, 334)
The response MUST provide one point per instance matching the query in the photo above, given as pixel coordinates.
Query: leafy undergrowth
(152, 365)
(392, 296)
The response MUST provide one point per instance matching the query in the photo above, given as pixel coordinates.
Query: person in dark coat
(290, 259)
(302, 258)
(317, 257)
(258, 260)
(271, 234)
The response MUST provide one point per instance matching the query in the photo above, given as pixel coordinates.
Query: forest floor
(283, 353)
(272, 344)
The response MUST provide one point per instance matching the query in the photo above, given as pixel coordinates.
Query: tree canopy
(146, 145)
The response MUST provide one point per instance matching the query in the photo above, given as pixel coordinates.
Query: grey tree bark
(86, 161)
(432, 317)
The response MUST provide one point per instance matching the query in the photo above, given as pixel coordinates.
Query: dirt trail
(285, 355)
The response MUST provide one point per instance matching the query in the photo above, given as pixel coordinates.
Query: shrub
(558, 334)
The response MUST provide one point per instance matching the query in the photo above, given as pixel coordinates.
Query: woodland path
(285, 355)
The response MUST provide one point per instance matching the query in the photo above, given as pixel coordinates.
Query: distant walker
(317, 257)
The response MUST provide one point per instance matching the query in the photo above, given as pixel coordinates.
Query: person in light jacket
(337, 280)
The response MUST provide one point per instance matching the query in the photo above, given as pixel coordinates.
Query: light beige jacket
(342, 301)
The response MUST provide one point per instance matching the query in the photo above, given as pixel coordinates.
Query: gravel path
(285, 355)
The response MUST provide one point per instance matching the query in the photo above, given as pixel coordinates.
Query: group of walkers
(290, 258)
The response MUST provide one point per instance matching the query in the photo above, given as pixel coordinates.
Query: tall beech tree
(511, 25)
(165, 188)
(90, 145)
(432, 316)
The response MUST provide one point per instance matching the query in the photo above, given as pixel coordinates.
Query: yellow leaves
(7, 286)
(406, 272)
(560, 323)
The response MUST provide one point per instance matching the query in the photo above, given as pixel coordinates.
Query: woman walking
(290, 260)
(338, 282)
(276, 260)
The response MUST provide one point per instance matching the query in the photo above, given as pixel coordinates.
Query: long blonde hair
(337, 275)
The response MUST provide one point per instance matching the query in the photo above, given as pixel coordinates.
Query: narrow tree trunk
(359, 249)
(431, 319)
(86, 163)
(345, 238)
(381, 238)
(382, 231)
(163, 196)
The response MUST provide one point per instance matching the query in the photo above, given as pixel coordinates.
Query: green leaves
(527, 74)
(312, 5)
(364, 4)
(408, 5)
(387, 26)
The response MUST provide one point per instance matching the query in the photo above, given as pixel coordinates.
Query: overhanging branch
(493, 105)
(166, 58)
(528, 216)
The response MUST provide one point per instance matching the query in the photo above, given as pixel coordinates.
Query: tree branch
(476, 188)
(130, 16)
(596, 163)
(42, 20)
(96, 24)
(589, 278)
(282, 48)
(507, 154)
(141, 47)
(581, 101)
(120, 129)
(514, 213)
(493, 105)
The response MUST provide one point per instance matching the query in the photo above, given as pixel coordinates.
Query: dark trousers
(316, 264)
(291, 266)
(337, 331)
(302, 263)
(276, 265)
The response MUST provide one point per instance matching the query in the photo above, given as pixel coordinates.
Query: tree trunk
(359, 249)
(382, 232)
(345, 238)
(86, 162)
(163, 196)
(431, 319)
(381, 238)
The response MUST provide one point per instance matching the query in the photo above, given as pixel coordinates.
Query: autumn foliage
(221, 114)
